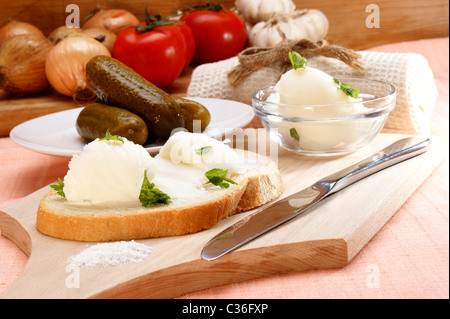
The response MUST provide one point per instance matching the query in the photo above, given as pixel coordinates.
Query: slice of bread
(59, 218)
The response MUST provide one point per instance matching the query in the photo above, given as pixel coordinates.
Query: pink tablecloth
(418, 233)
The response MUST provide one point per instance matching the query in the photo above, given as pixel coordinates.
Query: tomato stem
(154, 21)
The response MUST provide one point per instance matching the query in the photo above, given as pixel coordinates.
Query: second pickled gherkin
(193, 111)
(97, 118)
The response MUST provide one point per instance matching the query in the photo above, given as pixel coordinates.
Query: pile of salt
(111, 254)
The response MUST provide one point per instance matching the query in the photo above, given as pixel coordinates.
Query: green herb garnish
(203, 150)
(217, 176)
(109, 137)
(297, 61)
(150, 195)
(346, 88)
(294, 134)
(58, 187)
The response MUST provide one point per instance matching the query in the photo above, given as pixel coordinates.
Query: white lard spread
(311, 93)
(184, 159)
(109, 171)
(201, 151)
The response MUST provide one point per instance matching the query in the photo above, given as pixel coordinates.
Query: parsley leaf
(217, 176)
(109, 137)
(203, 150)
(294, 134)
(297, 61)
(150, 195)
(58, 187)
(346, 88)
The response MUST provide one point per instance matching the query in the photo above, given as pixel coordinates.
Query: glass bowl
(326, 130)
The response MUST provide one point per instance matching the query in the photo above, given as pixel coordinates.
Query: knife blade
(271, 215)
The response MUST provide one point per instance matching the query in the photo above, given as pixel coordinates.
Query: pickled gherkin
(193, 111)
(116, 84)
(97, 118)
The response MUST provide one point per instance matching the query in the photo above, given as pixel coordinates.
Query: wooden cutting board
(328, 236)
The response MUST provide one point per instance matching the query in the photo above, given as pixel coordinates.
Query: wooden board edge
(12, 229)
(387, 209)
(232, 268)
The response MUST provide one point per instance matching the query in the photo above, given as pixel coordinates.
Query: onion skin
(105, 37)
(62, 32)
(22, 64)
(114, 20)
(13, 28)
(66, 66)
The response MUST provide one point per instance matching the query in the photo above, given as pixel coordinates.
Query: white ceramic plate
(55, 134)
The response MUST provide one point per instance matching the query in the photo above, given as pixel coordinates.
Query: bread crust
(249, 193)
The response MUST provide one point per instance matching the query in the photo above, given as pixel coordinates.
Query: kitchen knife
(271, 215)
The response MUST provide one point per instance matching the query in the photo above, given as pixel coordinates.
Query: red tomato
(218, 34)
(159, 55)
(190, 41)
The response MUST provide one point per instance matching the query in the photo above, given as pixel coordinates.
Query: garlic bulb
(302, 24)
(255, 11)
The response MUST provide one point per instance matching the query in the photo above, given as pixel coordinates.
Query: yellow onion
(22, 64)
(66, 66)
(62, 32)
(114, 20)
(105, 37)
(13, 28)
